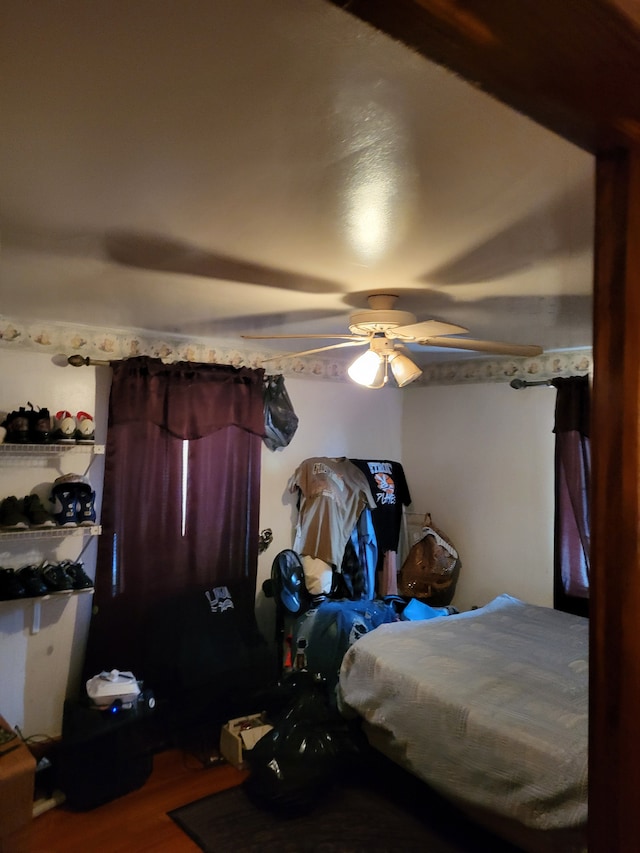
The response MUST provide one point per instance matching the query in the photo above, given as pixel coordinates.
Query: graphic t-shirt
(332, 494)
(390, 492)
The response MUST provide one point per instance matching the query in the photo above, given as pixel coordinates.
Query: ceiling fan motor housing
(374, 322)
(381, 317)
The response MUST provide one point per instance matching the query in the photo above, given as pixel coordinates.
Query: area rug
(349, 819)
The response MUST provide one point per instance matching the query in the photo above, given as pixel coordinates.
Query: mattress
(489, 707)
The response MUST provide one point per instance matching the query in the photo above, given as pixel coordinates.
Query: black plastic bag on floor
(296, 763)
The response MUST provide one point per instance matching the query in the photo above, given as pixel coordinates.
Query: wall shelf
(41, 451)
(28, 455)
(51, 532)
(10, 449)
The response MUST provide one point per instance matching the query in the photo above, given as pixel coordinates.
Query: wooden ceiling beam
(573, 66)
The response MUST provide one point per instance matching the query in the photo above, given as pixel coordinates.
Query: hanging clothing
(389, 488)
(332, 492)
(367, 545)
(360, 559)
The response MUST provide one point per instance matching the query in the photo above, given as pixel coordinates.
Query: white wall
(480, 460)
(478, 457)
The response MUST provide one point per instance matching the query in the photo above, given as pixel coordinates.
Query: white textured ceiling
(213, 168)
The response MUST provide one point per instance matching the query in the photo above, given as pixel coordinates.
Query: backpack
(431, 569)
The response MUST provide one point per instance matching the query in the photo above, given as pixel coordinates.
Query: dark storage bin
(102, 755)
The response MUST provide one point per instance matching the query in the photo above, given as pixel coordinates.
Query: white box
(240, 735)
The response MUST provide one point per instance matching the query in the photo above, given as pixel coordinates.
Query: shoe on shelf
(85, 505)
(11, 514)
(17, 424)
(65, 428)
(31, 580)
(73, 489)
(56, 579)
(10, 585)
(41, 427)
(79, 578)
(35, 512)
(85, 430)
(63, 498)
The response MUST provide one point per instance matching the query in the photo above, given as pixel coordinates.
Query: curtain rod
(81, 361)
(85, 361)
(522, 383)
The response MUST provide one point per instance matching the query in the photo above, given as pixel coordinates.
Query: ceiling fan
(381, 326)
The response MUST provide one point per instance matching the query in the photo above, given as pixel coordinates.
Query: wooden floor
(134, 823)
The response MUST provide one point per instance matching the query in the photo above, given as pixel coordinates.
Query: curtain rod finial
(522, 383)
(82, 361)
(78, 361)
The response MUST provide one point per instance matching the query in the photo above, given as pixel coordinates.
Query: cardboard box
(240, 735)
(17, 782)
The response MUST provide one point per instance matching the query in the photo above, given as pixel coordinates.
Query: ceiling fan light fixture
(404, 370)
(368, 369)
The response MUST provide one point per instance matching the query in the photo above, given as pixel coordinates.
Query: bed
(489, 708)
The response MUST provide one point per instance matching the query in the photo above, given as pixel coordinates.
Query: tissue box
(240, 735)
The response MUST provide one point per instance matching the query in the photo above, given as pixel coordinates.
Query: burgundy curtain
(181, 500)
(572, 479)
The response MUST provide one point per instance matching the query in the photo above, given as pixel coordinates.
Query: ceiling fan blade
(426, 329)
(358, 343)
(359, 338)
(493, 347)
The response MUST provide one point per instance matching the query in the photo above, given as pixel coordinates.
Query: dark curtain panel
(572, 486)
(181, 500)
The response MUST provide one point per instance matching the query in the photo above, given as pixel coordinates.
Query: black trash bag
(295, 764)
(280, 420)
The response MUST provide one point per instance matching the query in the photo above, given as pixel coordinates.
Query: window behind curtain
(181, 501)
(572, 479)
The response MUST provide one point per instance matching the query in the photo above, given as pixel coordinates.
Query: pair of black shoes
(48, 579)
(28, 426)
(23, 514)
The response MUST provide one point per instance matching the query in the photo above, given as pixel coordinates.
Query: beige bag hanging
(431, 569)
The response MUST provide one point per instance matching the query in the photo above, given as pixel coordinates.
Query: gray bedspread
(488, 707)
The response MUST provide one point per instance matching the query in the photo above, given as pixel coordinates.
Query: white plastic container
(113, 689)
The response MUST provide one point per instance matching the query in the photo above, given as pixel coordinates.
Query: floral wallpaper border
(110, 344)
